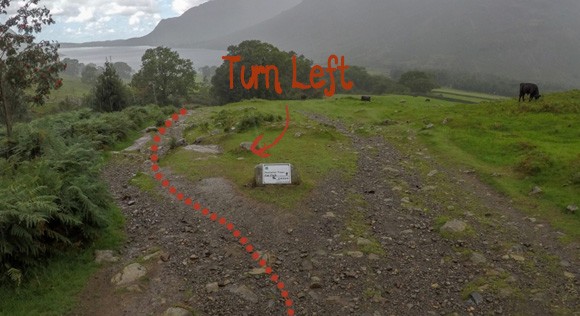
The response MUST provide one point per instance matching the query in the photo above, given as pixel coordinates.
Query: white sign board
(276, 173)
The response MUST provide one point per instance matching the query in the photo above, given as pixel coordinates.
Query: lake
(132, 55)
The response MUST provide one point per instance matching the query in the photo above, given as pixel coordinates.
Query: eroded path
(371, 244)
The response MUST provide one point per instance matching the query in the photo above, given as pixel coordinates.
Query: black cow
(366, 98)
(531, 89)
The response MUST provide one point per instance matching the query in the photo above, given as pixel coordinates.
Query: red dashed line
(244, 241)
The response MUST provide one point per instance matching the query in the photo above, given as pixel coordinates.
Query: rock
(569, 275)
(297, 134)
(244, 292)
(405, 200)
(429, 126)
(355, 254)
(517, 257)
(432, 173)
(445, 121)
(477, 258)
(363, 241)
(476, 298)
(329, 215)
(564, 263)
(181, 142)
(572, 208)
(177, 311)
(130, 273)
(151, 129)
(407, 231)
(315, 283)
(454, 226)
(212, 287)
(131, 202)
(257, 271)
(135, 288)
(199, 140)
(139, 143)
(105, 256)
(536, 190)
(247, 146)
(204, 149)
(154, 255)
(165, 256)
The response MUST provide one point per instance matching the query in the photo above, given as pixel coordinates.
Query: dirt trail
(368, 245)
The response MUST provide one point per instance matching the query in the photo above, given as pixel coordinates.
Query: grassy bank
(313, 148)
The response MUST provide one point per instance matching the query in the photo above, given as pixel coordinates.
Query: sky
(94, 20)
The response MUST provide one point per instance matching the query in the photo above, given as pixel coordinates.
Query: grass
(143, 182)
(467, 95)
(512, 146)
(330, 148)
(67, 98)
(53, 289)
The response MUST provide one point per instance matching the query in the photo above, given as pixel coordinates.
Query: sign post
(275, 174)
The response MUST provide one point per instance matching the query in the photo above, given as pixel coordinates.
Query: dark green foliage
(243, 120)
(365, 83)
(90, 73)
(50, 197)
(418, 81)
(255, 52)
(110, 93)
(73, 67)
(164, 78)
(123, 70)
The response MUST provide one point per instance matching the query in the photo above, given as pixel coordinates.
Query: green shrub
(533, 163)
(50, 198)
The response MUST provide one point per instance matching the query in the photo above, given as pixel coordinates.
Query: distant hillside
(522, 40)
(527, 40)
(213, 19)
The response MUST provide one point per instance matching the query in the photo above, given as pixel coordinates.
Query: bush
(533, 163)
(50, 200)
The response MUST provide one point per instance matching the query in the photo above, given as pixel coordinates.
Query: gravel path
(366, 245)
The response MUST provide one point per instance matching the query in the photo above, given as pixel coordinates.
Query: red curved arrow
(262, 151)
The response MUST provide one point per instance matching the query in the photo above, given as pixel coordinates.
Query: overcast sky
(88, 20)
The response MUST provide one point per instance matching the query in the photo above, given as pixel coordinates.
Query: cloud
(119, 17)
(180, 6)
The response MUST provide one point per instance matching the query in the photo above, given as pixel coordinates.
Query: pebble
(476, 298)
(212, 287)
(355, 254)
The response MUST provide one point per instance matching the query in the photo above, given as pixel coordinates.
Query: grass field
(65, 98)
(303, 140)
(474, 97)
(512, 146)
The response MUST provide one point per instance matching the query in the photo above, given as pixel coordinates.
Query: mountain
(527, 40)
(209, 20)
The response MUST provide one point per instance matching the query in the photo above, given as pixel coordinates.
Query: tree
(164, 77)
(254, 52)
(123, 70)
(110, 93)
(90, 74)
(28, 69)
(418, 81)
(73, 67)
